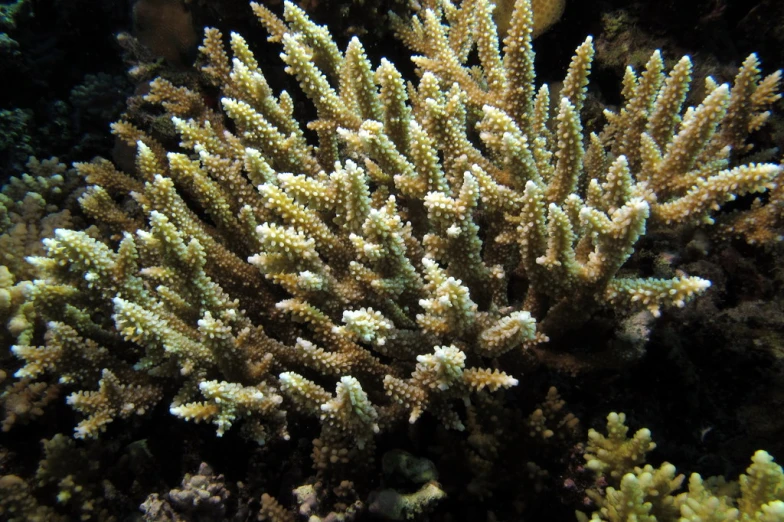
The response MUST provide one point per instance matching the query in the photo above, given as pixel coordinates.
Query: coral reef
(413, 247)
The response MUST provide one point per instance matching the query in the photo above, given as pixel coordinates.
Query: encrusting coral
(257, 271)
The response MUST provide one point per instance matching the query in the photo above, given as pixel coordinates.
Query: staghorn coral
(502, 443)
(78, 480)
(25, 400)
(250, 276)
(32, 206)
(550, 419)
(75, 470)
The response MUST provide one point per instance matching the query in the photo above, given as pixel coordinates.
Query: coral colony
(387, 260)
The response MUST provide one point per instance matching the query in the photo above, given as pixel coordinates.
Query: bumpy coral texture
(631, 492)
(365, 280)
(546, 14)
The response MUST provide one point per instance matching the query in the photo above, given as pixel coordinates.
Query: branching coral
(650, 494)
(259, 270)
(32, 206)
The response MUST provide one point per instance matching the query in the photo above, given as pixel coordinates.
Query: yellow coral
(546, 14)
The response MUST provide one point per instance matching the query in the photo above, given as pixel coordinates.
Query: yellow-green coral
(649, 494)
(615, 454)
